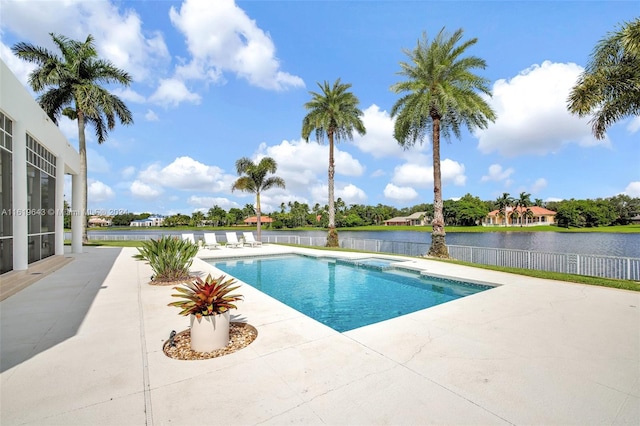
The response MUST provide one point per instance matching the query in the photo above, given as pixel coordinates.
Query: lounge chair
(232, 240)
(210, 241)
(189, 237)
(250, 240)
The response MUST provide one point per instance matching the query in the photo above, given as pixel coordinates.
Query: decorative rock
(241, 335)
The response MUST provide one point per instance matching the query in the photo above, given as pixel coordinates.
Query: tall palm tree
(334, 112)
(609, 88)
(503, 203)
(441, 94)
(522, 205)
(253, 178)
(72, 87)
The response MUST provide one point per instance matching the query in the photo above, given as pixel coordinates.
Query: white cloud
(350, 194)
(205, 203)
(378, 173)
(633, 189)
(303, 164)
(185, 173)
(420, 176)
(222, 38)
(19, 68)
(128, 94)
(379, 141)
(539, 185)
(172, 92)
(634, 125)
(532, 113)
(144, 191)
(98, 192)
(398, 193)
(118, 33)
(496, 173)
(151, 116)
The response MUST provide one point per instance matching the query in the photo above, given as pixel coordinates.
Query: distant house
(415, 219)
(150, 221)
(539, 216)
(253, 220)
(636, 219)
(100, 221)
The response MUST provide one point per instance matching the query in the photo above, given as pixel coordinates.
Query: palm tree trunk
(438, 244)
(258, 215)
(332, 236)
(82, 148)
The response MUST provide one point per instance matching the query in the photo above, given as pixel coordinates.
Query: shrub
(170, 257)
(206, 297)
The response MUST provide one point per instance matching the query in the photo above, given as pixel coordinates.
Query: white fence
(627, 268)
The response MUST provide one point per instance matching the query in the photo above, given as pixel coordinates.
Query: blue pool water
(345, 294)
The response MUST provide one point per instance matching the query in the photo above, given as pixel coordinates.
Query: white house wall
(27, 117)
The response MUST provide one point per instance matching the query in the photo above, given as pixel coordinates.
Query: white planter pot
(209, 333)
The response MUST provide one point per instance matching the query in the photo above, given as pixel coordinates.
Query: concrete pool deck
(83, 346)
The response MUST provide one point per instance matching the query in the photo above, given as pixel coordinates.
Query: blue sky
(215, 81)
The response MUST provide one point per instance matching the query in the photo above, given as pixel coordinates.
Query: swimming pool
(345, 294)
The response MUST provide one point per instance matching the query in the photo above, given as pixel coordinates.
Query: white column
(77, 215)
(59, 207)
(20, 219)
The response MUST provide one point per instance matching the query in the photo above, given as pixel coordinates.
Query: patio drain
(241, 335)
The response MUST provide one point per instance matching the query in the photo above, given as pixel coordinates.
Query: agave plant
(170, 257)
(206, 297)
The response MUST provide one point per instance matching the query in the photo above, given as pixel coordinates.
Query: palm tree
(71, 86)
(522, 205)
(333, 113)
(253, 178)
(503, 203)
(440, 94)
(609, 87)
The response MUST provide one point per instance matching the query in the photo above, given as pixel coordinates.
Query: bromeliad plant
(170, 258)
(207, 297)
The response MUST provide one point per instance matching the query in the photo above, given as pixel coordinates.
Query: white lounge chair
(210, 241)
(189, 237)
(232, 240)
(250, 240)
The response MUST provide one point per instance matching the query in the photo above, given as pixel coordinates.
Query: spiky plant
(169, 257)
(206, 297)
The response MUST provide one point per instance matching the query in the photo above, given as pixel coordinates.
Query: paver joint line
(145, 362)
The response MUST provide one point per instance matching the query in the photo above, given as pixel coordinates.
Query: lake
(599, 243)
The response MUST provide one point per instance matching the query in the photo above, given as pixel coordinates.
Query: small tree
(253, 178)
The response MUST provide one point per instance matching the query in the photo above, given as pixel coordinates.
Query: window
(6, 201)
(41, 200)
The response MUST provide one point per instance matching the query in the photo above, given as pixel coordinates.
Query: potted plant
(207, 302)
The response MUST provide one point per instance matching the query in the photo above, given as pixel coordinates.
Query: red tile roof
(254, 219)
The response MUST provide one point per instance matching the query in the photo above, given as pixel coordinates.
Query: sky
(218, 80)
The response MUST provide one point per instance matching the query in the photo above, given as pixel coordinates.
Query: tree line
(466, 211)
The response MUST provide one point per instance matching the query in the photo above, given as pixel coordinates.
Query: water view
(605, 244)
